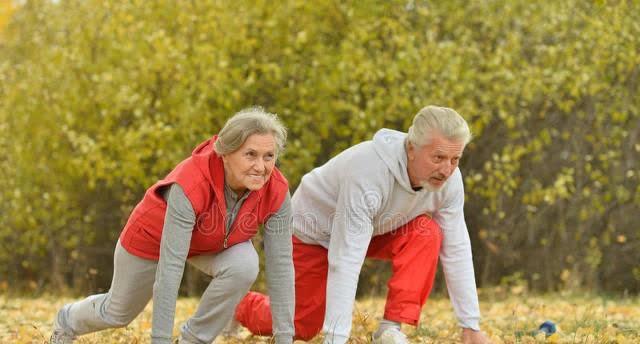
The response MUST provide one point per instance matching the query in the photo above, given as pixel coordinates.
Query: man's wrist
(283, 339)
(332, 338)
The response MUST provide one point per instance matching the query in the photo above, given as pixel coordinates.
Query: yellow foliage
(7, 7)
(101, 98)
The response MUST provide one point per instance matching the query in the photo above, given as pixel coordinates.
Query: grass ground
(509, 318)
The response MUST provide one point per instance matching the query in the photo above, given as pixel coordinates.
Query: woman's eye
(269, 157)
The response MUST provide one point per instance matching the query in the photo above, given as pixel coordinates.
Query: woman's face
(250, 166)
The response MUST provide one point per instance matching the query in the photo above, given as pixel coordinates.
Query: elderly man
(398, 197)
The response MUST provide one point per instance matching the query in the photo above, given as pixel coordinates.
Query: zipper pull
(226, 237)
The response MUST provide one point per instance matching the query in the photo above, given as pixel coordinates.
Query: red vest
(201, 176)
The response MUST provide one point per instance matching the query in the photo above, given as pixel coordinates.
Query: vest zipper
(227, 234)
(226, 237)
(235, 210)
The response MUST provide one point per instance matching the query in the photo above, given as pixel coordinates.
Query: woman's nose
(259, 165)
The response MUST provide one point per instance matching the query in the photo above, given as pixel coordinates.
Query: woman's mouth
(257, 177)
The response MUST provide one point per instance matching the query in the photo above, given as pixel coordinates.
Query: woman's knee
(114, 314)
(243, 268)
(245, 275)
(120, 320)
(120, 316)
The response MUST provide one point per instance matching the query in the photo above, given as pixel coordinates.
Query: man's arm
(456, 257)
(279, 271)
(351, 233)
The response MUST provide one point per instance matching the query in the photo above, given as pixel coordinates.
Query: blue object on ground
(548, 328)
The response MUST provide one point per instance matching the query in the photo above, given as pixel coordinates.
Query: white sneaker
(391, 336)
(61, 335)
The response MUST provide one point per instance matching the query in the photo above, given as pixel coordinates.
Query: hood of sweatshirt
(389, 145)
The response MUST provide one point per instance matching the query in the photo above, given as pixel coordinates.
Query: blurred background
(101, 98)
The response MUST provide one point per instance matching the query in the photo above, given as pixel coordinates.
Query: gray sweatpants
(233, 270)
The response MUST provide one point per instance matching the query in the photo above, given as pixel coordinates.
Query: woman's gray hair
(435, 119)
(249, 121)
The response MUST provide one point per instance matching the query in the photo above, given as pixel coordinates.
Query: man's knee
(309, 321)
(308, 330)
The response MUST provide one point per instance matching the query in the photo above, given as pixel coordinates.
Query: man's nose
(447, 168)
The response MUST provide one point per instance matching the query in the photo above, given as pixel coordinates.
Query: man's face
(430, 165)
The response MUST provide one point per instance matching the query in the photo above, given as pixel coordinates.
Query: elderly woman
(205, 212)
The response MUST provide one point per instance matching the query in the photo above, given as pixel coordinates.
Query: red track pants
(413, 250)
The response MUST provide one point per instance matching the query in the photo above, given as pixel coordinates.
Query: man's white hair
(432, 120)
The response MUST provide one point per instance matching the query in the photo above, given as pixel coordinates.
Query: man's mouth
(438, 179)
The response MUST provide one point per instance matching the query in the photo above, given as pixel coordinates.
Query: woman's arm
(279, 271)
(179, 221)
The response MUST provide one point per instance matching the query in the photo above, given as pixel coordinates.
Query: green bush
(98, 99)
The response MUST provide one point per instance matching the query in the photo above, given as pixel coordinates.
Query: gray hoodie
(363, 192)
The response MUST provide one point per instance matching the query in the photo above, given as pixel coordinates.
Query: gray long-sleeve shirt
(176, 238)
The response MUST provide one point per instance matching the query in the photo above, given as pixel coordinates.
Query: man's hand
(470, 336)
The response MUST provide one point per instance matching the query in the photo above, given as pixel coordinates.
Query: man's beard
(431, 188)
